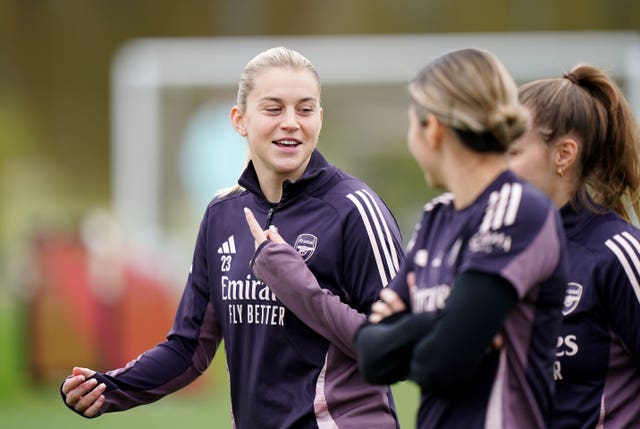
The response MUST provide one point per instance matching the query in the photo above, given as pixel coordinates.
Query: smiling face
(281, 121)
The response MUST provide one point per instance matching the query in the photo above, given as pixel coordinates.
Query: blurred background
(114, 135)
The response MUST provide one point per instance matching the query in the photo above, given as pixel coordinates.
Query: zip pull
(269, 216)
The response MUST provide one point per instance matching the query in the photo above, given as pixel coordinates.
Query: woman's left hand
(258, 233)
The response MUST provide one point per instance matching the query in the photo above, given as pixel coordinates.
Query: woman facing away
(474, 312)
(289, 348)
(486, 263)
(583, 150)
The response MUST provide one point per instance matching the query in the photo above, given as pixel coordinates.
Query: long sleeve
(446, 358)
(281, 267)
(620, 289)
(371, 247)
(187, 352)
(370, 254)
(385, 348)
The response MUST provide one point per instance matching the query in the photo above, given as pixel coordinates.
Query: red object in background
(71, 325)
(146, 314)
(61, 310)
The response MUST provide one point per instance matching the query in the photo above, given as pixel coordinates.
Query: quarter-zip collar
(317, 173)
(576, 215)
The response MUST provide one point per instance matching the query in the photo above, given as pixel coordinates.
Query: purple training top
(289, 348)
(597, 370)
(511, 230)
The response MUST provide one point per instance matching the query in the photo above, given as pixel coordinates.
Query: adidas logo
(228, 247)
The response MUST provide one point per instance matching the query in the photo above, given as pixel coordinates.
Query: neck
(271, 186)
(271, 179)
(273, 194)
(271, 183)
(563, 191)
(469, 178)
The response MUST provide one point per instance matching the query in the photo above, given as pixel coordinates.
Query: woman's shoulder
(227, 197)
(511, 201)
(439, 202)
(346, 193)
(612, 238)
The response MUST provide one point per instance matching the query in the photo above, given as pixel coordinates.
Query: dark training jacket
(291, 360)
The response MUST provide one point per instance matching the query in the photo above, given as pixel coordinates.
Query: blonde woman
(486, 263)
(291, 358)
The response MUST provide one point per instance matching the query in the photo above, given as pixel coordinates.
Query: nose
(290, 120)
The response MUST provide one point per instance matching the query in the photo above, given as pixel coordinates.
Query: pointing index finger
(255, 228)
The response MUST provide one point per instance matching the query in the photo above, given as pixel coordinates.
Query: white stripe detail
(633, 241)
(514, 204)
(488, 215)
(501, 207)
(444, 199)
(385, 239)
(494, 418)
(228, 247)
(372, 239)
(603, 414)
(320, 406)
(624, 261)
(394, 253)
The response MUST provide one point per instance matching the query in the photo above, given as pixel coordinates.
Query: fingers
(88, 373)
(72, 383)
(95, 407)
(498, 342)
(389, 303)
(393, 300)
(256, 230)
(275, 236)
(411, 283)
(84, 396)
(411, 279)
(79, 375)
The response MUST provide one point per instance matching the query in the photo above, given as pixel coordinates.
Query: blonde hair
(588, 104)
(274, 57)
(470, 91)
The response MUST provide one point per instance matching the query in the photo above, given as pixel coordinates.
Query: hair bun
(507, 122)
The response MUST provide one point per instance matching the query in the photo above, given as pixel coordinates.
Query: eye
(514, 151)
(306, 110)
(273, 110)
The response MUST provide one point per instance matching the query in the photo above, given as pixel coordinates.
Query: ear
(237, 121)
(433, 130)
(566, 153)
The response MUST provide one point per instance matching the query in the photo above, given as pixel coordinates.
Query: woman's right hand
(83, 393)
(390, 302)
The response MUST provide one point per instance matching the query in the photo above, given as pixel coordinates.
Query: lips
(287, 142)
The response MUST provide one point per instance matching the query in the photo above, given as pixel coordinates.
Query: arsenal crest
(572, 297)
(305, 245)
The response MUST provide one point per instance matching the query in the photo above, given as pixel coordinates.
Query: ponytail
(587, 103)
